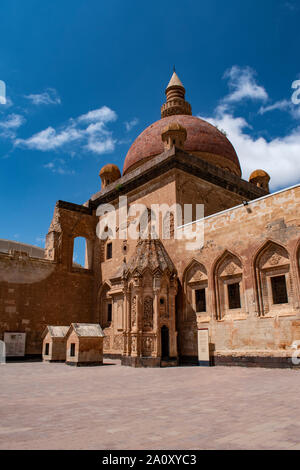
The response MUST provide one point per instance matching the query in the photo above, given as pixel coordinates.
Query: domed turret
(173, 135)
(109, 174)
(261, 179)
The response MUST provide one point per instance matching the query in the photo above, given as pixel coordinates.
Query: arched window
(273, 279)
(82, 253)
(106, 248)
(195, 289)
(229, 288)
(105, 307)
(298, 262)
(109, 253)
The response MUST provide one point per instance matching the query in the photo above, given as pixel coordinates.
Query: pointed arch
(273, 280)
(195, 285)
(105, 305)
(298, 257)
(226, 253)
(229, 286)
(193, 266)
(270, 245)
(297, 268)
(106, 243)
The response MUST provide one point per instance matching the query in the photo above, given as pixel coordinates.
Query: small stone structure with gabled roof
(54, 343)
(84, 344)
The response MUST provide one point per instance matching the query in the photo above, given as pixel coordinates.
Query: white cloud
(12, 121)
(49, 139)
(280, 156)
(243, 85)
(104, 114)
(10, 124)
(279, 105)
(2, 92)
(130, 124)
(49, 165)
(49, 96)
(97, 146)
(295, 112)
(58, 166)
(283, 105)
(89, 131)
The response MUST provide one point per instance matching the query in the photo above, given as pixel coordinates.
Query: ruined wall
(35, 292)
(41, 293)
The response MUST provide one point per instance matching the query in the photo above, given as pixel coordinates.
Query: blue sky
(84, 78)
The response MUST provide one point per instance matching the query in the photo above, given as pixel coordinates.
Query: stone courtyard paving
(54, 406)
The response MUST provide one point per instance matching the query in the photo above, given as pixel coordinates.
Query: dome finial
(175, 93)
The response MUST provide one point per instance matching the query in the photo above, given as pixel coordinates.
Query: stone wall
(35, 292)
(253, 243)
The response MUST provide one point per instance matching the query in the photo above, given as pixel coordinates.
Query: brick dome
(203, 140)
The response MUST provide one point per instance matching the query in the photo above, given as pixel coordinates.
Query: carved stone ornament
(148, 312)
(275, 259)
(118, 342)
(133, 344)
(230, 269)
(106, 343)
(148, 343)
(133, 312)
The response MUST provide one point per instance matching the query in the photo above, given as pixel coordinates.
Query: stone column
(156, 320)
(136, 313)
(172, 321)
(125, 314)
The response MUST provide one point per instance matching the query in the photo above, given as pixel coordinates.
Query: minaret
(176, 103)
